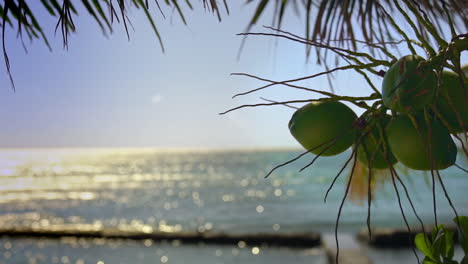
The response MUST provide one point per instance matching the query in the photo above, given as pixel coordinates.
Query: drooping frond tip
(20, 15)
(373, 21)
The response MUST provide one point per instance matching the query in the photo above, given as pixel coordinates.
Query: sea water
(183, 191)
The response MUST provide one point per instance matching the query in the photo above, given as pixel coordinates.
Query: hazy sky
(110, 92)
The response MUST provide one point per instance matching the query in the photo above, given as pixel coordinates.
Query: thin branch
(403, 213)
(286, 163)
(394, 173)
(408, 197)
(321, 45)
(369, 189)
(447, 196)
(265, 104)
(341, 208)
(461, 168)
(271, 101)
(287, 83)
(426, 45)
(339, 173)
(332, 143)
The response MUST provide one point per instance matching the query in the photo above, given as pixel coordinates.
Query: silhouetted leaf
(98, 7)
(48, 7)
(90, 10)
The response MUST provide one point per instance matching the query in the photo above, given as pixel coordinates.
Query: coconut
(324, 128)
(407, 86)
(421, 147)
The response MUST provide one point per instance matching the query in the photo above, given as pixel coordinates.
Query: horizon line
(241, 148)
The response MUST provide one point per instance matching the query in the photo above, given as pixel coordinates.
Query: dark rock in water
(394, 238)
(297, 240)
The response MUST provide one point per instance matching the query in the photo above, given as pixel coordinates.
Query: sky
(111, 92)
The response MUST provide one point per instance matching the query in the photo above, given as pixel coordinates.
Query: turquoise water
(193, 191)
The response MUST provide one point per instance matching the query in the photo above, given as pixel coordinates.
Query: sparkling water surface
(178, 191)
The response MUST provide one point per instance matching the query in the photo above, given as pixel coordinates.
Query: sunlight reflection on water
(191, 191)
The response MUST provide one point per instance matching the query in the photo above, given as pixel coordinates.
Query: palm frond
(343, 21)
(324, 20)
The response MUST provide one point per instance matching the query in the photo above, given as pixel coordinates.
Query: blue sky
(111, 92)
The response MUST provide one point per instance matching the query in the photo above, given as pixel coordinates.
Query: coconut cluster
(426, 107)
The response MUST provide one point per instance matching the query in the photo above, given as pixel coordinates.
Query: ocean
(177, 191)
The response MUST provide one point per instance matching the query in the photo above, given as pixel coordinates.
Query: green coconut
(372, 146)
(452, 102)
(324, 128)
(407, 87)
(415, 149)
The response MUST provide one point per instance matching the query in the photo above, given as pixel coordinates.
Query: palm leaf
(325, 20)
